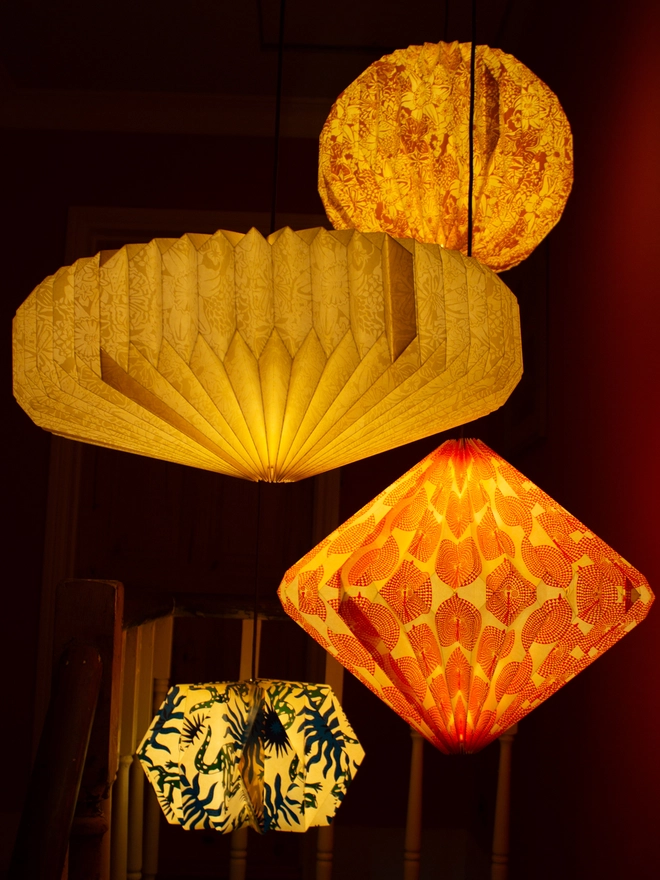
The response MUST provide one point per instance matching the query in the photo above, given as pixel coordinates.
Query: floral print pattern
(394, 152)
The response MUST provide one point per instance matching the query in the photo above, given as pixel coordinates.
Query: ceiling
(228, 48)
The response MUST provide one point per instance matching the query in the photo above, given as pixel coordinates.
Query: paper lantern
(271, 755)
(464, 596)
(395, 157)
(269, 359)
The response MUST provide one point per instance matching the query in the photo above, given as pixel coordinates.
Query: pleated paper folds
(269, 359)
(395, 154)
(271, 755)
(464, 596)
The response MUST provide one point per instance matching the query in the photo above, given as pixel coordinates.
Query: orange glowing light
(464, 596)
(394, 152)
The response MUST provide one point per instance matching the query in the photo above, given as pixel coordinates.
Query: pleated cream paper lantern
(395, 157)
(464, 596)
(269, 359)
(271, 755)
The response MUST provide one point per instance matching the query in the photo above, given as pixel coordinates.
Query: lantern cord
(278, 114)
(473, 64)
(255, 614)
(446, 27)
(273, 207)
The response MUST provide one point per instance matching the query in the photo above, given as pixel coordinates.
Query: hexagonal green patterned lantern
(272, 755)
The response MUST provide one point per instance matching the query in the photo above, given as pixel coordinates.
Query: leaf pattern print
(272, 755)
(484, 610)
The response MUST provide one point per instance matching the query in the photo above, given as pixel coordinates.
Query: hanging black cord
(278, 113)
(273, 207)
(255, 613)
(473, 64)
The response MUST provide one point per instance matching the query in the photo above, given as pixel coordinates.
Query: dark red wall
(587, 767)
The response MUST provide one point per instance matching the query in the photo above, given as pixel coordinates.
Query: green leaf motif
(274, 755)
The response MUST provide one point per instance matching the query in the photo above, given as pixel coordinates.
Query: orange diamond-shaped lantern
(464, 596)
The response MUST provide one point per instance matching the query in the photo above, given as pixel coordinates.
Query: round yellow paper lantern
(394, 152)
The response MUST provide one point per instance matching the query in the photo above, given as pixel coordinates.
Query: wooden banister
(87, 617)
(413, 839)
(500, 858)
(91, 612)
(43, 835)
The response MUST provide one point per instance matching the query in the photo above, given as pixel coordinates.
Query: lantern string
(446, 27)
(273, 207)
(255, 614)
(473, 64)
(278, 114)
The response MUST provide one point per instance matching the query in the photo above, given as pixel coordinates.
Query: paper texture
(271, 359)
(271, 755)
(464, 596)
(394, 152)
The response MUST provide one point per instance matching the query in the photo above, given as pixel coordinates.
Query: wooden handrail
(413, 839)
(500, 859)
(142, 606)
(43, 835)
